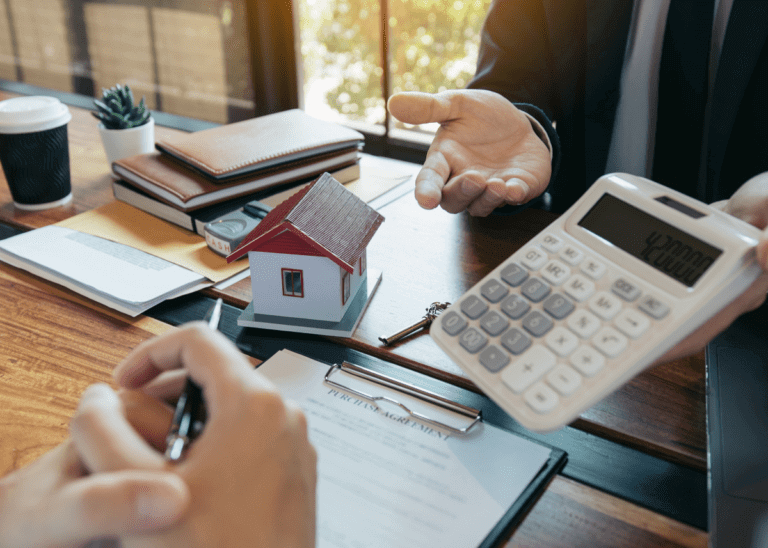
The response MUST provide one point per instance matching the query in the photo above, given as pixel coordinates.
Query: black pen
(189, 417)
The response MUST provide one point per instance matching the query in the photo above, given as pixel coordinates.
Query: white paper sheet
(113, 274)
(388, 480)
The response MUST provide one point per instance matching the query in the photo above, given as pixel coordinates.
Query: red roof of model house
(323, 218)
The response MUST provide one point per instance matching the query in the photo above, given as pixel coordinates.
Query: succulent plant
(117, 111)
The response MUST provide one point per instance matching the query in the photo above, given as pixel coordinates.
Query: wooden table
(426, 256)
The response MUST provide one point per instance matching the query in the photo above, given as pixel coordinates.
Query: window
(229, 60)
(344, 287)
(362, 264)
(355, 53)
(293, 283)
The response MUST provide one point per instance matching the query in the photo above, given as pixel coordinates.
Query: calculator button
(571, 255)
(537, 324)
(514, 274)
(535, 290)
(610, 342)
(653, 307)
(604, 305)
(473, 307)
(541, 398)
(493, 323)
(564, 379)
(528, 368)
(452, 323)
(533, 258)
(558, 306)
(630, 322)
(579, 288)
(472, 340)
(593, 268)
(555, 272)
(587, 360)
(551, 243)
(493, 359)
(494, 290)
(515, 306)
(626, 290)
(584, 323)
(515, 341)
(561, 341)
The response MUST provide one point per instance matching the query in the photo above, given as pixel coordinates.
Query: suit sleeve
(515, 61)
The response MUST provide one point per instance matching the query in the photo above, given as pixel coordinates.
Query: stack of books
(195, 178)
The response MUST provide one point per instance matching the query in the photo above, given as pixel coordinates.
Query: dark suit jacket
(566, 56)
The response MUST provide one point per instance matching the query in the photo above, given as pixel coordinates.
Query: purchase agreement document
(388, 480)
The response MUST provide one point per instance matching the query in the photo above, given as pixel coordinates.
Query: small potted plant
(126, 129)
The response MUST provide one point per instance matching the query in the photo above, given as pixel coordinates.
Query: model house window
(344, 287)
(293, 283)
(362, 263)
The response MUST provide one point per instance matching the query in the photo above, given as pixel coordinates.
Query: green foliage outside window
(433, 46)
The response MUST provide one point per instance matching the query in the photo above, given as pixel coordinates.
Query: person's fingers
(431, 180)
(762, 251)
(104, 438)
(416, 107)
(462, 190)
(492, 197)
(167, 386)
(113, 504)
(149, 416)
(212, 360)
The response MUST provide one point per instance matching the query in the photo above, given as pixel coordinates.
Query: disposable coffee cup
(34, 151)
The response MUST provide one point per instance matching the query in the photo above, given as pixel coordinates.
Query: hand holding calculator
(625, 274)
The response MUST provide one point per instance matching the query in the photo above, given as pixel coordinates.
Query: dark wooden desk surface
(425, 256)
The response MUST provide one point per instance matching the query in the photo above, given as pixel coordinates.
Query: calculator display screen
(655, 242)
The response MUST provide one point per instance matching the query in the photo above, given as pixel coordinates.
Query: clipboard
(385, 390)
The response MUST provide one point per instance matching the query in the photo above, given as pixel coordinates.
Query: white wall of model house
(322, 286)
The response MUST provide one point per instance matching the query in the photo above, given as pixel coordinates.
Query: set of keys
(433, 312)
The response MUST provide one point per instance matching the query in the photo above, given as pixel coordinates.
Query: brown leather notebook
(185, 189)
(260, 143)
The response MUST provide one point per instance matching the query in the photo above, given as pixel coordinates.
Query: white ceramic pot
(121, 143)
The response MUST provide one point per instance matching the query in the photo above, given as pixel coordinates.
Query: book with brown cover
(266, 142)
(169, 181)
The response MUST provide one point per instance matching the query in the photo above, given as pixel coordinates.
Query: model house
(307, 257)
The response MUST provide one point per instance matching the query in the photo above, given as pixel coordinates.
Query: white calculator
(617, 280)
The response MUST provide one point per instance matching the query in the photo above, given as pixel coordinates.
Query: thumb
(114, 504)
(415, 107)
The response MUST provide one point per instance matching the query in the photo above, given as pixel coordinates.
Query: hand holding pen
(251, 475)
(189, 417)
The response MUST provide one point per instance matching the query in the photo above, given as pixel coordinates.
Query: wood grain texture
(431, 256)
(603, 522)
(51, 349)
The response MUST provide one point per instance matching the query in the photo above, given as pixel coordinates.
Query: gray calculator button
(473, 307)
(452, 323)
(494, 290)
(493, 358)
(535, 289)
(493, 323)
(472, 340)
(515, 341)
(653, 307)
(537, 324)
(514, 274)
(515, 306)
(626, 290)
(558, 306)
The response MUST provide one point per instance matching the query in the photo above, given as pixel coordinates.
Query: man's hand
(57, 501)
(485, 153)
(252, 471)
(749, 203)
